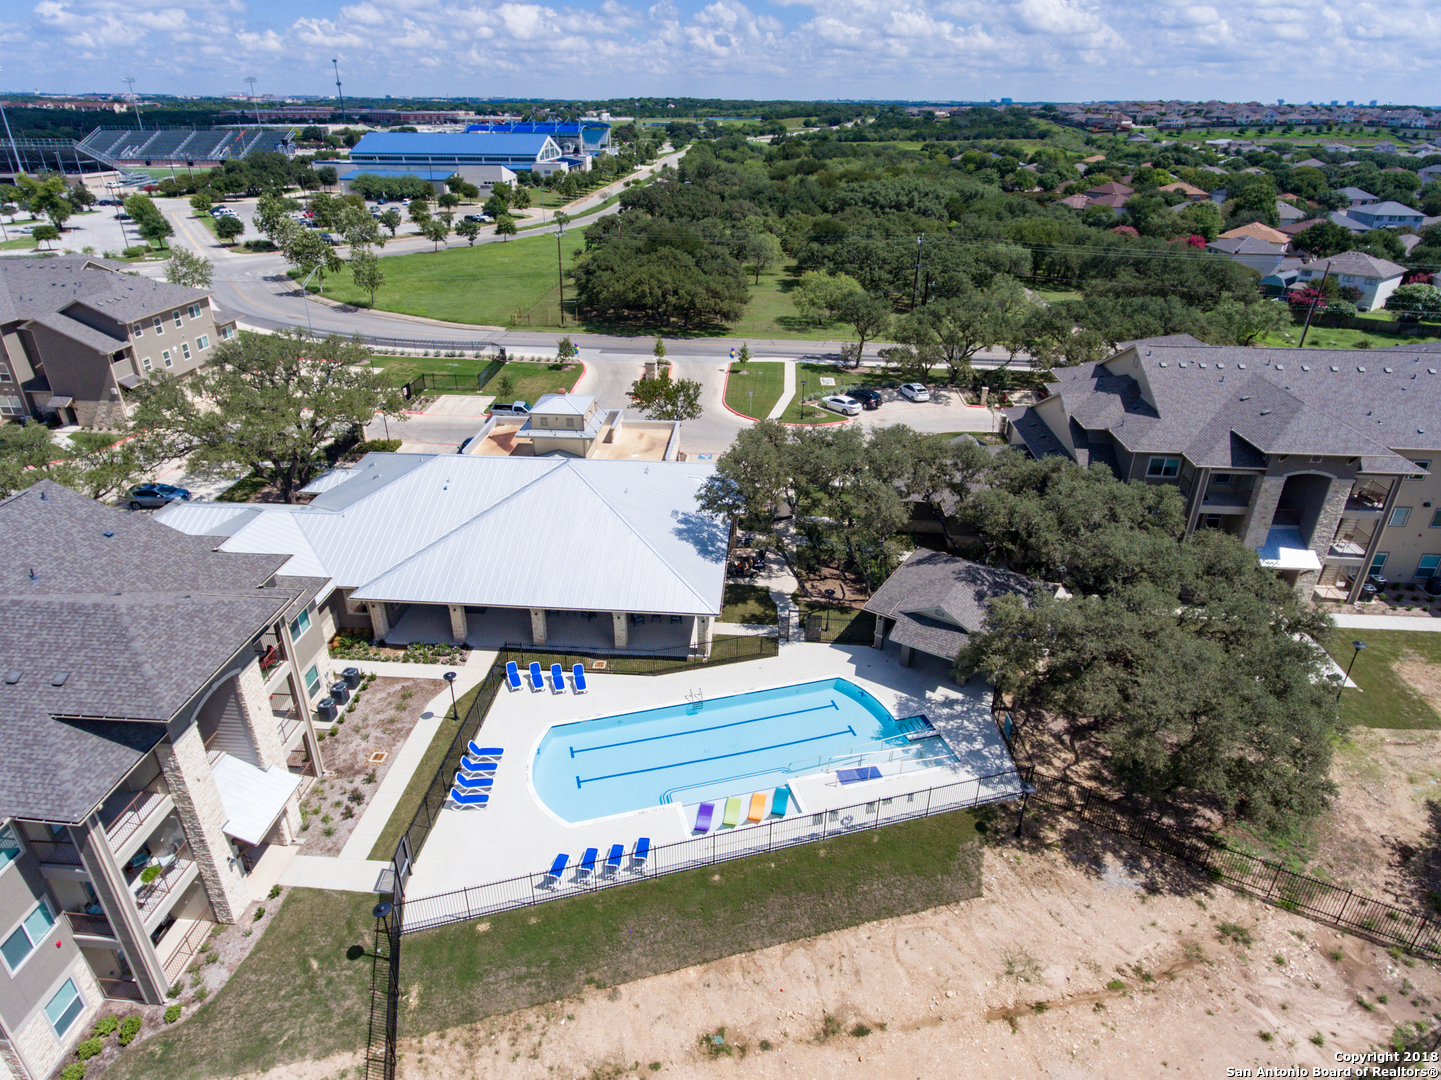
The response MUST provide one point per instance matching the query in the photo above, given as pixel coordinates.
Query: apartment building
(156, 729)
(77, 333)
(1320, 461)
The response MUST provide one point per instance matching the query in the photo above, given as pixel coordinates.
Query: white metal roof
(252, 798)
(575, 404)
(562, 533)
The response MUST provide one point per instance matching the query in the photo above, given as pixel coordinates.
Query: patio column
(379, 619)
(537, 626)
(458, 629)
(703, 635)
(620, 629)
(905, 656)
(197, 802)
(256, 715)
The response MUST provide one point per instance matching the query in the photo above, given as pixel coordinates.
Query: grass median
(753, 388)
(1386, 699)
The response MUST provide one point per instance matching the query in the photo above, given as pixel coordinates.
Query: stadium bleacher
(126, 146)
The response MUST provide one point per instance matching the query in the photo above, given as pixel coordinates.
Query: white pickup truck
(515, 408)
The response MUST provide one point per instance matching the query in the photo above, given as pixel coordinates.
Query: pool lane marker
(698, 731)
(716, 757)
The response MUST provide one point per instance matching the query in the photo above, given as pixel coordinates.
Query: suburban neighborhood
(702, 586)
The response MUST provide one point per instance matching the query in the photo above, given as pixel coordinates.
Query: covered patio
(567, 631)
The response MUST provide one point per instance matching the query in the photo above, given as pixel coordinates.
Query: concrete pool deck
(516, 834)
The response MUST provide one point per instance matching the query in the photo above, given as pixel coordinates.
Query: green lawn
(748, 604)
(420, 779)
(21, 243)
(1336, 337)
(772, 314)
(1385, 700)
(93, 440)
(484, 285)
(753, 388)
(529, 379)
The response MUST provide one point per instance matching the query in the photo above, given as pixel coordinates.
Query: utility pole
(338, 92)
(1312, 309)
(251, 80)
(560, 220)
(916, 288)
(130, 81)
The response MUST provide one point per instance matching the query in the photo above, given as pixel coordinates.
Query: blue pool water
(685, 753)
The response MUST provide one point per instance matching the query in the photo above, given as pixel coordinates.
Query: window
(202, 342)
(1423, 467)
(312, 681)
(195, 311)
(176, 314)
(9, 847)
(138, 329)
(1379, 562)
(300, 624)
(165, 355)
(1164, 466)
(226, 333)
(1436, 519)
(1427, 566)
(145, 363)
(1222, 479)
(27, 937)
(4, 374)
(185, 350)
(1399, 516)
(1213, 521)
(63, 1009)
(159, 326)
(11, 406)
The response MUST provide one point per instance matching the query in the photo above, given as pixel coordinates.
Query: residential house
(156, 717)
(1376, 278)
(1257, 231)
(1321, 462)
(1387, 215)
(1288, 212)
(934, 602)
(1359, 197)
(1260, 255)
(76, 334)
(1190, 191)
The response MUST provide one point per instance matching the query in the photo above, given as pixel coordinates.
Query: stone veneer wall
(197, 801)
(36, 1041)
(258, 719)
(1262, 511)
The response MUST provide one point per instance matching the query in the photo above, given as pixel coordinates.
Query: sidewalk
(1415, 623)
(323, 872)
(788, 391)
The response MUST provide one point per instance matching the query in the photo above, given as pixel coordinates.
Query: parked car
(330, 238)
(915, 391)
(147, 495)
(869, 399)
(515, 408)
(840, 403)
(481, 218)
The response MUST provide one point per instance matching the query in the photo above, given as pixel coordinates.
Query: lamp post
(305, 297)
(449, 678)
(801, 411)
(1358, 646)
(560, 223)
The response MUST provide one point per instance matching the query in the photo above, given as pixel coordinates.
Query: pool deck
(517, 835)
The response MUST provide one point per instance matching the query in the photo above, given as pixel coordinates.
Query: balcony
(152, 895)
(185, 944)
(84, 924)
(1351, 541)
(121, 990)
(124, 813)
(55, 852)
(1226, 498)
(1367, 498)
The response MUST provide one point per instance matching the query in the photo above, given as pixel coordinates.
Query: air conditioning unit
(325, 707)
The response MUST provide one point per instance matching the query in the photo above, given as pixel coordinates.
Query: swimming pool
(705, 750)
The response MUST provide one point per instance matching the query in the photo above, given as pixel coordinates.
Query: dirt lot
(1083, 959)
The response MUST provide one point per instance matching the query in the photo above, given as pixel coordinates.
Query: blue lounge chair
(703, 817)
(641, 854)
(476, 768)
(855, 776)
(586, 869)
(557, 679)
(536, 682)
(577, 677)
(467, 783)
(484, 751)
(512, 675)
(463, 800)
(612, 861)
(781, 801)
(557, 868)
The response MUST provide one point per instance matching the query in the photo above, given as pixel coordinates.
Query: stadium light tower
(338, 92)
(12, 152)
(251, 80)
(130, 81)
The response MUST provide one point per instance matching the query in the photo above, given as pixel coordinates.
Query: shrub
(1116, 986)
(259, 914)
(74, 1071)
(150, 873)
(106, 1025)
(172, 1014)
(274, 891)
(129, 1028)
(88, 1049)
(201, 993)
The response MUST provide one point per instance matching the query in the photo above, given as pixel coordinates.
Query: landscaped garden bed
(357, 751)
(354, 646)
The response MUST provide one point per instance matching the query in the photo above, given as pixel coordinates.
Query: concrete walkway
(1418, 623)
(788, 391)
(324, 872)
(744, 629)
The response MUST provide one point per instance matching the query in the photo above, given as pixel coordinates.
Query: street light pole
(560, 222)
(449, 678)
(305, 296)
(1358, 646)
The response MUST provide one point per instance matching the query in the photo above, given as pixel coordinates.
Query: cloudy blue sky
(812, 49)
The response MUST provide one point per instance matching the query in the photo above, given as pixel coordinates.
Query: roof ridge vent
(1361, 369)
(1386, 370)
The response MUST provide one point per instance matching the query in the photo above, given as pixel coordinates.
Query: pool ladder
(696, 698)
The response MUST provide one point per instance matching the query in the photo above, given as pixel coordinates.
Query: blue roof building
(425, 152)
(589, 137)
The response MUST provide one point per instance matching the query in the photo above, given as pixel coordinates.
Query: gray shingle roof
(1354, 262)
(140, 620)
(937, 599)
(33, 287)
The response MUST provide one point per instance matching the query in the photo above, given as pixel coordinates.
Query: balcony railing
(185, 948)
(1226, 497)
(56, 852)
(125, 812)
(93, 925)
(270, 660)
(121, 989)
(149, 896)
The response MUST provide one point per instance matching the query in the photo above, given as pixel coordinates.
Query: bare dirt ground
(1083, 959)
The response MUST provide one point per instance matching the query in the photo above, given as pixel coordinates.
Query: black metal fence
(1265, 880)
(428, 912)
(380, 1048)
(724, 650)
